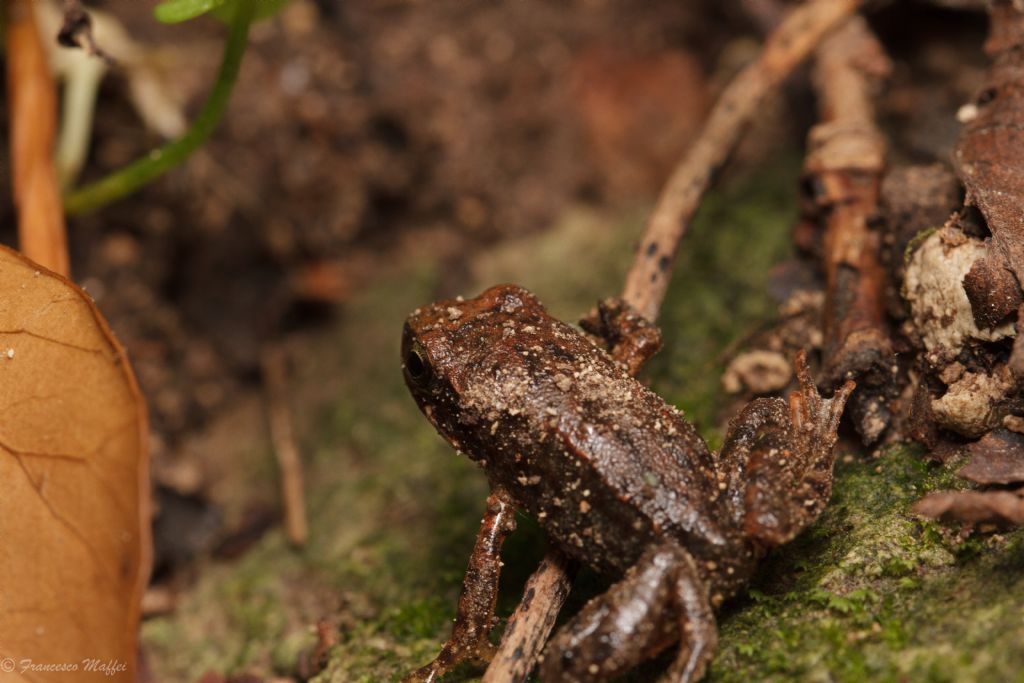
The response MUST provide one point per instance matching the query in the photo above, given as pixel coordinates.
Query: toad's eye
(417, 367)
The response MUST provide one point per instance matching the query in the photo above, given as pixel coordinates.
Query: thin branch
(531, 623)
(529, 626)
(33, 121)
(126, 180)
(286, 451)
(845, 162)
(738, 104)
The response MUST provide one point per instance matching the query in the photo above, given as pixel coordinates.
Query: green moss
(916, 241)
(233, 621)
(870, 593)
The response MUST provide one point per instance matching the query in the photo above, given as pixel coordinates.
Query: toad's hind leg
(781, 460)
(661, 600)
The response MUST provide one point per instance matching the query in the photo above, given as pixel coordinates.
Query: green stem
(130, 178)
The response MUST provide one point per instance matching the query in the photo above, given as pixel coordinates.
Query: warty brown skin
(615, 475)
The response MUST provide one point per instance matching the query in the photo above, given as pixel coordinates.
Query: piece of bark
(997, 458)
(314, 659)
(913, 199)
(946, 451)
(989, 155)
(993, 291)
(1016, 361)
(999, 508)
(844, 167)
(921, 424)
(1015, 423)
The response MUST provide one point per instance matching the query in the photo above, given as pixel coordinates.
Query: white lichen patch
(933, 287)
(973, 403)
(759, 371)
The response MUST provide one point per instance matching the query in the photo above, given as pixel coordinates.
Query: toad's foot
(778, 460)
(631, 338)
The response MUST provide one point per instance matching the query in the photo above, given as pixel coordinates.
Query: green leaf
(128, 179)
(264, 9)
(175, 11)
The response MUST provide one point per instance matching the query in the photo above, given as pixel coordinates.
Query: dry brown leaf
(74, 507)
(988, 155)
(1000, 508)
(998, 458)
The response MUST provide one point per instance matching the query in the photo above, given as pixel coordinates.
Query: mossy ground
(868, 593)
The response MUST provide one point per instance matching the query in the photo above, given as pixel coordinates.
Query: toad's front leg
(661, 600)
(475, 617)
(631, 338)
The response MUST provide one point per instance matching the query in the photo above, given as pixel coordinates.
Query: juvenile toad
(615, 475)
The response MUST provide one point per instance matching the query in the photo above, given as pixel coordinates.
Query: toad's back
(603, 463)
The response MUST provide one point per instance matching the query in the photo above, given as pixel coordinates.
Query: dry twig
(529, 626)
(789, 45)
(845, 162)
(286, 451)
(647, 280)
(33, 113)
